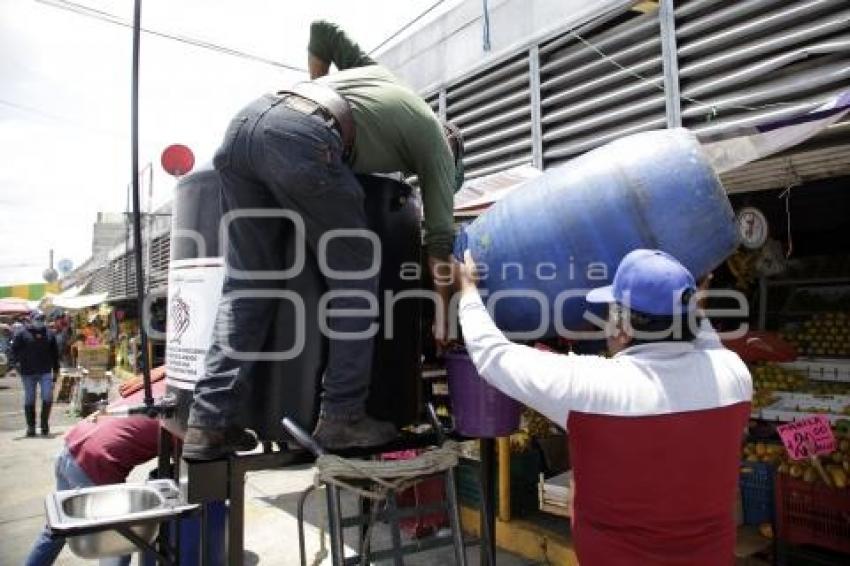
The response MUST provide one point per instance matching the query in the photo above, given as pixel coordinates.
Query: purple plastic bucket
(480, 410)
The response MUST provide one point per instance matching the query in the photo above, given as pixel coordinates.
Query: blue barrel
(568, 229)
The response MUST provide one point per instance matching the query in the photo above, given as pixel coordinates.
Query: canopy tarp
(478, 194)
(13, 306)
(79, 302)
(30, 291)
(750, 142)
(74, 291)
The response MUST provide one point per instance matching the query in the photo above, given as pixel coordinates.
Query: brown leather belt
(330, 104)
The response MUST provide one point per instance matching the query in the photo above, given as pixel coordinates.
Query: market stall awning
(30, 291)
(74, 291)
(79, 302)
(13, 306)
(752, 141)
(478, 194)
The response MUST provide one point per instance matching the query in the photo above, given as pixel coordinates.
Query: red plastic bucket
(480, 410)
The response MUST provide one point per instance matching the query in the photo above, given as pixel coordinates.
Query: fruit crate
(427, 492)
(756, 481)
(812, 513)
(805, 555)
(93, 357)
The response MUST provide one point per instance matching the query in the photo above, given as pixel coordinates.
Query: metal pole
(486, 19)
(395, 529)
(149, 228)
(126, 254)
(504, 447)
(236, 513)
(536, 112)
(762, 303)
(335, 529)
(137, 217)
(163, 465)
(669, 57)
(454, 517)
(441, 104)
(488, 513)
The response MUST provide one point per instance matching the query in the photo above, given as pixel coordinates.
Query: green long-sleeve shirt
(395, 130)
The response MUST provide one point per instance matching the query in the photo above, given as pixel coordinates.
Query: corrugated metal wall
(764, 60)
(118, 276)
(740, 64)
(493, 109)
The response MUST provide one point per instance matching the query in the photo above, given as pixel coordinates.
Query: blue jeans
(47, 547)
(283, 161)
(45, 381)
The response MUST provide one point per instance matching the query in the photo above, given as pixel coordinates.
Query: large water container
(568, 229)
(291, 388)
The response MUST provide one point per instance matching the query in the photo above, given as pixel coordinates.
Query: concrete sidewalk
(26, 476)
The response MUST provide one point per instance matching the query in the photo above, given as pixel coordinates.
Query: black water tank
(291, 388)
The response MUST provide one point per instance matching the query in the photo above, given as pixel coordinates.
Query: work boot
(45, 416)
(29, 413)
(215, 443)
(341, 432)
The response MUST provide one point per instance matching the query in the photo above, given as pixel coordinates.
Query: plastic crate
(793, 555)
(428, 491)
(812, 513)
(757, 492)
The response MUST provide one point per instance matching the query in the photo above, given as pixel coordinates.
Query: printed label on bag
(194, 289)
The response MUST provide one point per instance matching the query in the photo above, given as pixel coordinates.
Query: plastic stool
(367, 515)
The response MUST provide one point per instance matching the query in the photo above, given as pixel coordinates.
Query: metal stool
(368, 515)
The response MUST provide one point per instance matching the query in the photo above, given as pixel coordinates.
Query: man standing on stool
(295, 154)
(37, 355)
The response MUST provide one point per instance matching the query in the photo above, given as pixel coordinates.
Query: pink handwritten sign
(808, 437)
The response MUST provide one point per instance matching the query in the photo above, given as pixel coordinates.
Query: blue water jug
(545, 244)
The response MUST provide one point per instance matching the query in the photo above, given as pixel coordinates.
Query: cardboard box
(93, 357)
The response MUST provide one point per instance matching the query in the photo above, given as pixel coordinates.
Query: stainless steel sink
(90, 516)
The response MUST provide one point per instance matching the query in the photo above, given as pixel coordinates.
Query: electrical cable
(87, 11)
(406, 26)
(486, 38)
(60, 119)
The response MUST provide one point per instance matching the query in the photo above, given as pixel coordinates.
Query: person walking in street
(298, 151)
(37, 356)
(100, 450)
(655, 431)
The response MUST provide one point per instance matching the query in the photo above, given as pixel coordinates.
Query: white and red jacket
(654, 434)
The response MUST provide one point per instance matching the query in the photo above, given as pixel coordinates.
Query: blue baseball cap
(649, 281)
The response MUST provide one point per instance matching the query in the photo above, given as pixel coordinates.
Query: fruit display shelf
(771, 379)
(822, 335)
(795, 406)
(801, 376)
(821, 369)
